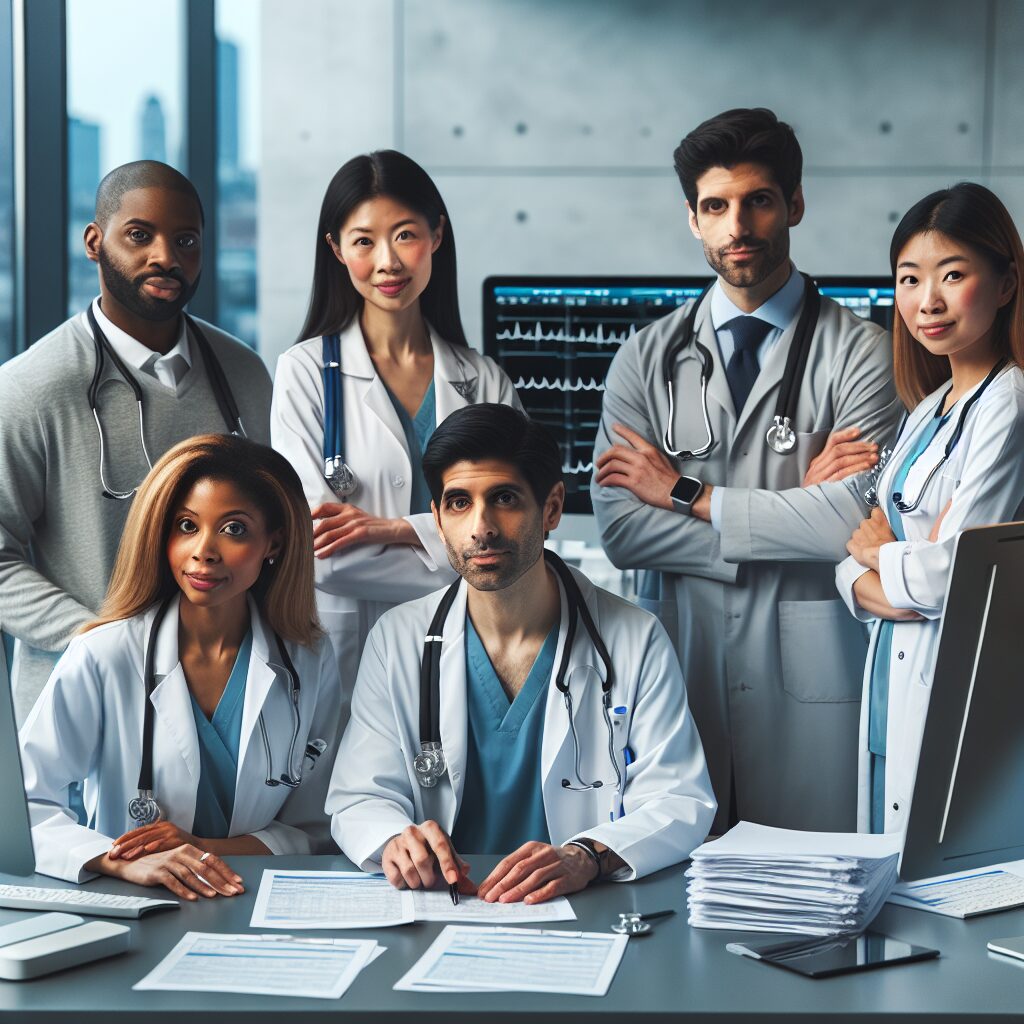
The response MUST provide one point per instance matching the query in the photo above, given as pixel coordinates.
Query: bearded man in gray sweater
(78, 432)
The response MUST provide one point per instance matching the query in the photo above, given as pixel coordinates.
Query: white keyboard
(78, 901)
(967, 895)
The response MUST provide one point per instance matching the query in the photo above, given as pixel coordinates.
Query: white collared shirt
(141, 357)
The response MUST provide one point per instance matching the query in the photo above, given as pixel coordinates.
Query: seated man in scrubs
(554, 730)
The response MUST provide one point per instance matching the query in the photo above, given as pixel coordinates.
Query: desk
(677, 973)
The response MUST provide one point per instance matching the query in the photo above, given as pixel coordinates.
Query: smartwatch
(686, 491)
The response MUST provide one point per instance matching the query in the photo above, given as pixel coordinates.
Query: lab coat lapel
(718, 385)
(356, 362)
(175, 788)
(454, 723)
(556, 720)
(263, 673)
(455, 381)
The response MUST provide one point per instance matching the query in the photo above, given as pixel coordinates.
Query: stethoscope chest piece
(143, 809)
(429, 764)
(631, 924)
(340, 477)
(781, 437)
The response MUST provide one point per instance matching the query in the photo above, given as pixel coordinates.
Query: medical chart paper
(272, 965)
(434, 905)
(329, 899)
(463, 959)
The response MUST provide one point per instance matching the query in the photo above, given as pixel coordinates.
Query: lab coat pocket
(823, 650)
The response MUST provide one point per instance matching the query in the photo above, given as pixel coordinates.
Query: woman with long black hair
(383, 359)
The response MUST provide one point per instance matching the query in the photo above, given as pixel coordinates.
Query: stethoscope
(143, 809)
(340, 476)
(903, 506)
(781, 437)
(430, 765)
(221, 391)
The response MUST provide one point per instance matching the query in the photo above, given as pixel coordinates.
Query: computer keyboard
(78, 901)
(965, 895)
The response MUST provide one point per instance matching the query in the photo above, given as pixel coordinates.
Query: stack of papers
(465, 959)
(762, 879)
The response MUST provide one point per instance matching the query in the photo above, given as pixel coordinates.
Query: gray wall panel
(1008, 85)
(585, 188)
(608, 83)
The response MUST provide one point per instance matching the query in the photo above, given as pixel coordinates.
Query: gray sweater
(58, 534)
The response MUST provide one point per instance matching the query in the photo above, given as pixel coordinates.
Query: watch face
(687, 489)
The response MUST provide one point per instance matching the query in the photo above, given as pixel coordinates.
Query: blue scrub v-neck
(502, 800)
(878, 692)
(418, 430)
(219, 738)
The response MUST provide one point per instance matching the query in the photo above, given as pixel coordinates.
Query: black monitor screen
(555, 337)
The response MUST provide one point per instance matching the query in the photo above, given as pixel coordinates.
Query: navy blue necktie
(747, 334)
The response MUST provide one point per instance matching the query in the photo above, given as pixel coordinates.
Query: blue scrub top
(878, 691)
(418, 430)
(502, 801)
(219, 738)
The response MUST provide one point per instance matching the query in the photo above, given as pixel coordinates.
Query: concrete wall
(549, 125)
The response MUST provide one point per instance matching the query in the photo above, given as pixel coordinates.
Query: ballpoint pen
(453, 891)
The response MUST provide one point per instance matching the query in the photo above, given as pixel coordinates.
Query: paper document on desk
(436, 905)
(463, 959)
(756, 878)
(963, 894)
(272, 965)
(329, 899)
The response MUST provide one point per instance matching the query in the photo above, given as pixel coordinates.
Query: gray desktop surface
(676, 973)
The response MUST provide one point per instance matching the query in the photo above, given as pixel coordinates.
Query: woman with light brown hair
(198, 706)
(958, 349)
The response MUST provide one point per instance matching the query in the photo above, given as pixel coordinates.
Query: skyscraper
(153, 130)
(227, 107)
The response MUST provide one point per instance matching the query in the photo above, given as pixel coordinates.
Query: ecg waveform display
(555, 338)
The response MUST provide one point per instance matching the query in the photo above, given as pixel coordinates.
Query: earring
(270, 560)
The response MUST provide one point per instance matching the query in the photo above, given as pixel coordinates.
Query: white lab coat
(87, 725)
(985, 478)
(668, 800)
(356, 585)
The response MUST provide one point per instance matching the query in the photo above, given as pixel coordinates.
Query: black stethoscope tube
(430, 665)
(792, 379)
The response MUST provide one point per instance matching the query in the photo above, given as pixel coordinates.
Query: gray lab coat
(772, 660)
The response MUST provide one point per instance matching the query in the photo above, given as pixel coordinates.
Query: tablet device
(1009, 947)
(824, 957)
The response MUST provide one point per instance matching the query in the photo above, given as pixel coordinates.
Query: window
(125, 101)
(238, 59)
(7, 325)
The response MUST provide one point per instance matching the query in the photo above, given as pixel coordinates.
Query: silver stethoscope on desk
(781, 437)
(903, 506)
(219, 382)
(340, 476)
(430, 764)
(143, 809)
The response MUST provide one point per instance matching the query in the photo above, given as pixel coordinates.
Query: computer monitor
(969, 791)
(872, 298)
(17, 856)
(556, 336)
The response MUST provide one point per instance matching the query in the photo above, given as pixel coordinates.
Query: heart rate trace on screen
(555, 337)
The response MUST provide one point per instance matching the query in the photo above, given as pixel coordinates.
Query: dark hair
(334, 300)
(745, 135)
(492, 431)
(971, 214)
(140, 174)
